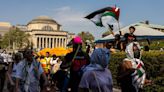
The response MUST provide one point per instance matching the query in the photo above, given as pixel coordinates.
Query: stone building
(4, 27)
(46, 33)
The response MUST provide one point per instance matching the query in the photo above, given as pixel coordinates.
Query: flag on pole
(96, 16)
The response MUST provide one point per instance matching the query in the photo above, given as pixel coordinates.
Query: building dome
(43, 23)
(43, 20)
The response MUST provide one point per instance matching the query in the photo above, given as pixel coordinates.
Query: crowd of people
(76, 72)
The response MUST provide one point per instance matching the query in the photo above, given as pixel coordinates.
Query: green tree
(86, 36)
(15, 38)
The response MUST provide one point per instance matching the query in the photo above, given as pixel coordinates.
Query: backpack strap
(94, 74)
(76, 52)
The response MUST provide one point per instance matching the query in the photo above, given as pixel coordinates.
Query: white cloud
(65, 8)
(67, 15)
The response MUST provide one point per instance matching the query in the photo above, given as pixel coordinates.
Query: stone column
(49, 42)
(56, 42)
(42, 42)
(46, 42)
(63, 43)
(35, 42)
(52, 42)
(59, 42)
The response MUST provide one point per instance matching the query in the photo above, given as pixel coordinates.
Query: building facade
(4, 28)
(46, 33)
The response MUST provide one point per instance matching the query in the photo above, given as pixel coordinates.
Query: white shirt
(52, 62)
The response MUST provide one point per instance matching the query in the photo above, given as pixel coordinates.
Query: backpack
(78, 65)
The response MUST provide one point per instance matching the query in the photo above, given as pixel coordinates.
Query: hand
(69, 89)
(12, 83)
(148, 82)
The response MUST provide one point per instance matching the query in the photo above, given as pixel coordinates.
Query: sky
(70, 13)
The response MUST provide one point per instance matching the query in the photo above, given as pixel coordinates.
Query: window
(47, 28)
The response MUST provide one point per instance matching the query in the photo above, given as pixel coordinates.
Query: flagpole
(118, 24)
(119, 28)
(110, 28)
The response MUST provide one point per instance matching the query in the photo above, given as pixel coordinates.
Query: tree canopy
(14, 39)
(86, 36)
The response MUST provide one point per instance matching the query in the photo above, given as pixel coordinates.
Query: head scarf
(99, 59)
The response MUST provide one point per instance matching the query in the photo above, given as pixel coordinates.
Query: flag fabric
(138, 77)
(96, 16)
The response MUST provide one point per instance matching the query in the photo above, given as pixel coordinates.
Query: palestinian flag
(96, 16)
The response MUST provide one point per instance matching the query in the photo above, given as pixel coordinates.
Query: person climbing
(131, 72)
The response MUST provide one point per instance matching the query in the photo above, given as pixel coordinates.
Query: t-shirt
(104, 81)
(130, 37)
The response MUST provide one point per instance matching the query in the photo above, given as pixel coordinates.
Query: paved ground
(53, 90)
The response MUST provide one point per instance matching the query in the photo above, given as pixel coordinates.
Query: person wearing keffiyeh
(132, 74)
(28, 74)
